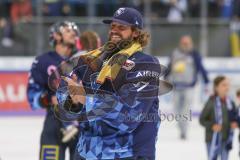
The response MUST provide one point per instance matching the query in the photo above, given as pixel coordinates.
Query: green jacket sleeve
(207, 115)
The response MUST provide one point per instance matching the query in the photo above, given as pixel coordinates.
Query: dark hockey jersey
(41, 68)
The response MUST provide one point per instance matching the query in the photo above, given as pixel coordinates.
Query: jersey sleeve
(205, 116)
(36, 85)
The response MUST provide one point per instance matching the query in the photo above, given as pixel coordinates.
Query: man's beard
(112, 47)
(68, 44)
(130, 38)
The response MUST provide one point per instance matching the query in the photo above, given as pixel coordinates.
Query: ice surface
(19, 140)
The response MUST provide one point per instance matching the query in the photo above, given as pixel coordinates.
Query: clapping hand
(76, 89)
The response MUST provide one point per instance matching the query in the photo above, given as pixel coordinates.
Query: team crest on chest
(128, 65)
(51, 69)
(119, 11)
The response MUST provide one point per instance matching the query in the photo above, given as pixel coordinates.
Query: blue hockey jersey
(130, 128)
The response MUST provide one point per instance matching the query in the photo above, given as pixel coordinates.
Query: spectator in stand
(236, 9)
(67, 10)
(220, 8)
(58, 8)
(21, 11)
(213, 8)
(78, 7)
(226, 8)
(177, 10)
(194, 8)
(106, 8)
(6, 24)
(52, 7)
(125, 3)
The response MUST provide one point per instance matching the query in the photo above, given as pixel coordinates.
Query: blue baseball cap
(127, 16)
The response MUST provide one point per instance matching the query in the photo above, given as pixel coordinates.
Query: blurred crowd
(159, 8)
(12, 12)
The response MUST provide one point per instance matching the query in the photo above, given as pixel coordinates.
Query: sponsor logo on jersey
(148, 73)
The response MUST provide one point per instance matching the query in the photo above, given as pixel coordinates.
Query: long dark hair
(142, 38)
(216, 82)
(89, 40)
